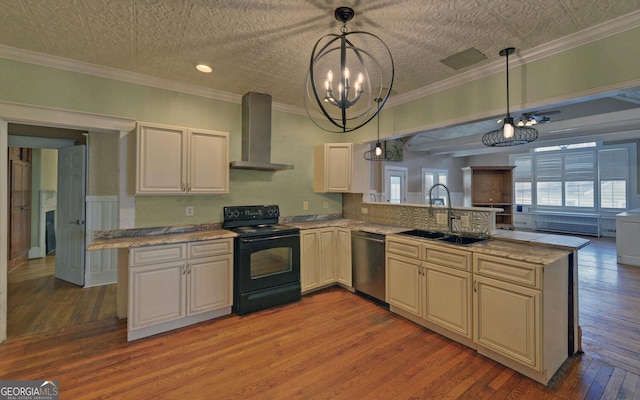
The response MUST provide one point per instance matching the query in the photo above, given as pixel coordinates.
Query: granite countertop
(542, 238)
(150, 239)
(349, 224)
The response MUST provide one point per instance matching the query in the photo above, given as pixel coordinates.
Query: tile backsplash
(417, 216)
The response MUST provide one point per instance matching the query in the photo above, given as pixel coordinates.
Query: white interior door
(395, 180)
(71, 214)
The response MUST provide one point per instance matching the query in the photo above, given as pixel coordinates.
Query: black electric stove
(266, 258)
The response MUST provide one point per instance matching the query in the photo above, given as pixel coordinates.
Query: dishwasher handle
(374, 237)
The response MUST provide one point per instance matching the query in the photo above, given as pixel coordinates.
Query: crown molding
(606, 29)
(602, 31)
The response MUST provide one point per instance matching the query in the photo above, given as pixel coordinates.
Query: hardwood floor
(334, 345)
(38, 302)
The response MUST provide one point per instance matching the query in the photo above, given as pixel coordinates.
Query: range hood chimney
(256, 134)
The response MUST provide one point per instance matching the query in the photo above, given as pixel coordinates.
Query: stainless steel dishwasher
(368, 262)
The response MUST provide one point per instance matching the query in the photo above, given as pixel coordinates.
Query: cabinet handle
(184, 187)
(188, 269)
(475, 285)
(184, 269)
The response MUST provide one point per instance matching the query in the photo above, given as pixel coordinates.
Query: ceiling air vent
(464, 58)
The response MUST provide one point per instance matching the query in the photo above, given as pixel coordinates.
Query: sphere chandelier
(347, 74)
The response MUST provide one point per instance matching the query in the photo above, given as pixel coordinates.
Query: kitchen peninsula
(545, 262)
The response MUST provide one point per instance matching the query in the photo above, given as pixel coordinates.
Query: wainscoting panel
(101, 266)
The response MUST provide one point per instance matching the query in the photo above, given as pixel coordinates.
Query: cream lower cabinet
(175, 285)
(432, 283)
(325, 258)
(175, 160)
(343, 257)
(448, 300)
(521, 314)
(317, 258)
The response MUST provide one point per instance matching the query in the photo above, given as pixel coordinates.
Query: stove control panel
(256, 214)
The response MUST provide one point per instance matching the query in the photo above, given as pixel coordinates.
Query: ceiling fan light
(520, 123)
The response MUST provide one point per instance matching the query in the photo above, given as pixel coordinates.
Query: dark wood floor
(332, 345)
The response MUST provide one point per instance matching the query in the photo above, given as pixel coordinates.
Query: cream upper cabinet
(175, 160)
(333, 167)
(340, 168)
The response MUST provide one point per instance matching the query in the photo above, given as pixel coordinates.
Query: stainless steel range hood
(256, 134)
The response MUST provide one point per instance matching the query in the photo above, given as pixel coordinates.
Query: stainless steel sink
(462, 240)
(444, 237)
(424, 234)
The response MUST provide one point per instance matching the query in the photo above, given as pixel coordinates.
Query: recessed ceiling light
(204, 68)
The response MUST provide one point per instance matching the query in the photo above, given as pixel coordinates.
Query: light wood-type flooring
(330, 345)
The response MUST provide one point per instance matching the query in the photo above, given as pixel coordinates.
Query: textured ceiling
(265, 45)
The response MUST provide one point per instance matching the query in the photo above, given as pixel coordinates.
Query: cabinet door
(210, 283)
(333, 169)
(447, 299)
(327, 256)
(157, 294)
(161, 166)
(343, 256)
(208, 162)
(507, 320)
(309, 260)
(403, 283)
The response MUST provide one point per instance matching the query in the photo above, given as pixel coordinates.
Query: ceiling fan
(536, 117)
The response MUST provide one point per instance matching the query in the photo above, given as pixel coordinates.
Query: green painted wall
(609, 62)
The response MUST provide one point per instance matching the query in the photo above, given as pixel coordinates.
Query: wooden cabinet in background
(175, 160)
(19, 223)
(490, 187)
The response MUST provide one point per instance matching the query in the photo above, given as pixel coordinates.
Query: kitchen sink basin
(462, 240)
(424, 234)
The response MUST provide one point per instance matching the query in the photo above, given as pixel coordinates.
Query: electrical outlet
(305, 205)
(465, 221)
(325, 204)
(364, 210)
(189, 211)
(441, 219)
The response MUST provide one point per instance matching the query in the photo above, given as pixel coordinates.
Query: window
(574, 177)
(523, 179)
(429, 178)
(613, 178)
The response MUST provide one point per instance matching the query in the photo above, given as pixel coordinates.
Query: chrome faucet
(450, 212)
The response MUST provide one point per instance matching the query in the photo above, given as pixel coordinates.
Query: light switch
(465, 221)
(441, 219)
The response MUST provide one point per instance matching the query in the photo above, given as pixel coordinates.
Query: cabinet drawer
(452, 258)
(402, 247)
(156, 254)
(504, 269)
(209, 248)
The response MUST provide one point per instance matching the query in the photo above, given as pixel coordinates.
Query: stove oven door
(264, 262)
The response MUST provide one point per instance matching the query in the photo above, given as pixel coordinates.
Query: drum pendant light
(509, 134)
